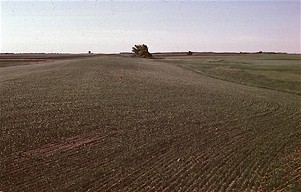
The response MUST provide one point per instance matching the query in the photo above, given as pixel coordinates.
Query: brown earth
(122, 124)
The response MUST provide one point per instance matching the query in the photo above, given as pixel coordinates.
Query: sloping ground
(123, 124)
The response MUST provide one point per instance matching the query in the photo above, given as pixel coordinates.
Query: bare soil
(121, 124)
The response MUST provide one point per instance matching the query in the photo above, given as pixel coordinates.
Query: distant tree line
(261, 52)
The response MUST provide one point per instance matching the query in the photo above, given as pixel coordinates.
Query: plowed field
(112, 123)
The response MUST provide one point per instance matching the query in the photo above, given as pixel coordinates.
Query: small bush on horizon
(189, 53)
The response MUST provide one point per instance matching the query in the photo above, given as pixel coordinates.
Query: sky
(115, 26)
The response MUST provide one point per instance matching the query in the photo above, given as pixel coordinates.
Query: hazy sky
(115, 26)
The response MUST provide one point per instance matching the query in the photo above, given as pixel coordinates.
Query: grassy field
(111, 123)
(273, 71)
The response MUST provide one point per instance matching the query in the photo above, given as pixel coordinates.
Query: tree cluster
(141, 51)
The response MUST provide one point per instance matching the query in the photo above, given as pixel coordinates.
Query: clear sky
(115, 26)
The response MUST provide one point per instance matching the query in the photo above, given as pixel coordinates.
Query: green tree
(141, 51)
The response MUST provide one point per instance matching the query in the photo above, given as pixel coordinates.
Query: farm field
(9, 59)
(112, 123)
(280, 72)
